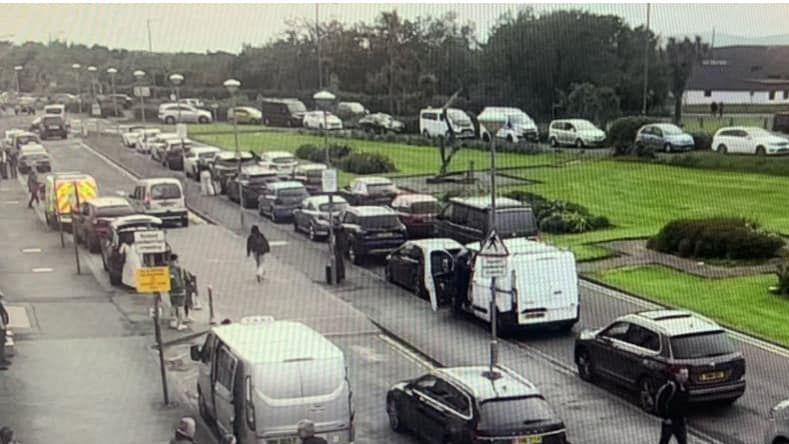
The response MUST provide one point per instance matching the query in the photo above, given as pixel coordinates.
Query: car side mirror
(195, 353)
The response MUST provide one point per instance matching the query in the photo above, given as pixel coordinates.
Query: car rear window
(52, 121)
(382, 222)
(165, 191)
(24, 140)
(424, 207)
(114, 211)
(521, 222)
(380, 188)
(701, 345)
(513, 413)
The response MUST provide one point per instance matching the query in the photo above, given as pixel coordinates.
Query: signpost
(142, 91)
(148, 242)
(153, 280)
(493, 254)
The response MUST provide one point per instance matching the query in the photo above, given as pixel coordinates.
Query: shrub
(315, 153)
(366, 163)
(306, 151)
(720, 237)
(701, 140)
(559, 217)
(622, 133)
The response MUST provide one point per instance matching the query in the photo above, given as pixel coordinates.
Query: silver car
(778, 430)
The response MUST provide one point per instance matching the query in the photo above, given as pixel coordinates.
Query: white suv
(282, 162)
(174, 112)
(749, 140)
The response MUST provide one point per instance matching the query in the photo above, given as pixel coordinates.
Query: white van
(269, 375)
(541, 287)
(515, 124)
(433, 122)
(161, 197)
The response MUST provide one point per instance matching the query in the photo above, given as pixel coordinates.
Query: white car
(197, 158)
(435, 123)
(245, 114)
(778, 429)
(174, 112)
(143, 140)
(579, 133)
(282, 162)
(197, 103)
(749, 140)
(515, 124)
(155, 145)
(130, 134)
(317, 120)
(8, 140)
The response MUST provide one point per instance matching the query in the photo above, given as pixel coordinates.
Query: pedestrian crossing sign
(153, 280)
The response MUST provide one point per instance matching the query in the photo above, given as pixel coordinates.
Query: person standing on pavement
(257, 245)
(32, 186)
(306, 430)
(3, 164)
(4, 322)
(177, 294)
(185, 431)
(12, 156)
(206, 183)
(672, 405)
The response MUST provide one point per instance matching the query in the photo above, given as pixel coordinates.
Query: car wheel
(760, 151)
(646, 394)
(585, 366)
(313, 236)
(202, 119)
(392, 411)
(169, 120)
(554, 142)
(579, 143)
(722, 149)
(668, 148)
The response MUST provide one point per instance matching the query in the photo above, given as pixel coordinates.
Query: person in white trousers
(206, 183)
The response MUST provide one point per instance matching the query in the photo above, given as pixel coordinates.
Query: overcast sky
(201, 27)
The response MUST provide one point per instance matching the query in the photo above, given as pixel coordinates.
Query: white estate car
(579, 133)
(142, 144)
(130, 134)
(749, 140)
(282, 162)
(317, 120)
(181, 112)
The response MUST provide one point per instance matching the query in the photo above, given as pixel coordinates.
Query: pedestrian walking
(12, 159)
(177, 294)
(4, 323)
(206, 183)
(191, 302)
(7, 436)
(185, 431)
(672, 405)
(720, 109)
(33, 187)
(257, 245)
(306, 430)
(713, 108)
(3, 164)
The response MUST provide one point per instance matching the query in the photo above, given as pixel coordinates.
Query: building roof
(510, 384)
(742, 68)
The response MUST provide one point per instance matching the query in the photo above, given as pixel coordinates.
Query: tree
(682, 57)
(587, 101)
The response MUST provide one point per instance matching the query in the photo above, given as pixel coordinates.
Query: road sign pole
(74, 226)
(157, 329)
(494, 351)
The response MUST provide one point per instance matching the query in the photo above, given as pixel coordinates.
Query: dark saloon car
(641, 350)
(417, 212)
(92, 223)
(281, 199)
(312, 216)
(467, 405)
(254, 180)
(52, 126)
(33, 157)
(380, 123)
(407, 266)
(370, 231)
(224, 165)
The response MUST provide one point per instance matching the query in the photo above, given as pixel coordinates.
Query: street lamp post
(112, 72)
(326, 97)
(140, 75)
(17, 68)
(76, 67)
(92, 70)
(232, 86)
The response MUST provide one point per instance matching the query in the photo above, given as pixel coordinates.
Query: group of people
(8, 162)
(716, 108)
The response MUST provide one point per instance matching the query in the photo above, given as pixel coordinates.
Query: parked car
(197, 158)
(143, 143)
(469, 405)
(20, 139)
(162, 197)
(749, 140)
(92, 223)
(281, 199)
(321, 120)
(225, 164)
(351, 112)
(245, 115)
(311, 175)
(417, 212)
(370, 231)
(579, 133)
(641, 350)
(433, 122)
(422, 265)
(157, 146)
(122, 265)
(370, 190)
(171, 113)
(130, 134)
(778, 428)
(380, 123)
(255, 385)
(467, 219)
(52, 126)
(664, 137)
(312, 215)
(282, 112)
(173, 153)
(515, 124)
(33, 156)
(282, 162)
(254, 180)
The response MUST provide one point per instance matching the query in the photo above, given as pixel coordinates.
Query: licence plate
(385, 235)
(529, 440)
(53, 127)
(711, 376)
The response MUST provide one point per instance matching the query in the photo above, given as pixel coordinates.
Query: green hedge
(622, 134)
(560, 217)
(717, 238)
(344, 158)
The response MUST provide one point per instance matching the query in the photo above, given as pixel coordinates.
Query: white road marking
(17, 317)
(31, 250)
(408, 354)
(42, 270)
(11, 202)
(278, 243)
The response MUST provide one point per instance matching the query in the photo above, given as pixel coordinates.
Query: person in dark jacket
(460, 282)
(307, 433)
(12, 160)
(257, 245)
(33, 187)
(671, 403)
(177, 293)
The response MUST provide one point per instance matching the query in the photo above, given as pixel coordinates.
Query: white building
(741, 75)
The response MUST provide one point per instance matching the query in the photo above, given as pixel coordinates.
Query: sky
(226, 27)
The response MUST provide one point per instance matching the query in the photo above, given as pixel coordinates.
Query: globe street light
(232, 86)
(112, 72)
(177, 79)
(76, 67)
(17, 68)
(322, 101)
(140, 75)
(92, 70)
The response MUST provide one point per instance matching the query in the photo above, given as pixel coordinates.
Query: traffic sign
(153, 279)
(329, 180)
(181, 130)
(142, 91)
(149, 241)
(95, 110)
(494, 266)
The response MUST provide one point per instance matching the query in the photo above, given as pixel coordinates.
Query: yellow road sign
(153, 279)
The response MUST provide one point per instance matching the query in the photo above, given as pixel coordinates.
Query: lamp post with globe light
(92, 70)
(17, 68)
(112, 72)
(140, 75)
(76, 67)
(232, 86)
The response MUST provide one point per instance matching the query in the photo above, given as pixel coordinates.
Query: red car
(417, 212)
(93, 222)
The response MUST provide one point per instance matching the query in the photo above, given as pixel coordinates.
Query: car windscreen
(701, 345)
(206, 154)
(458, 117)
(291, 193)
(24, 140)
(52, 121)
(114, 211)
(262, 179)
(296, 107)
(424, 207)
(583, 125)
(520, 221)
(513, 413)
(283, 160)
(336, 206)
(671, 130)
(380, 188)
(297, 379)
(35, 157)
(381, 222)
(520, 119)
(165, 191)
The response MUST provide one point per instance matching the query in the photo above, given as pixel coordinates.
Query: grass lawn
(773, 165)
(195, 129)
(741, 303)
(585, 252)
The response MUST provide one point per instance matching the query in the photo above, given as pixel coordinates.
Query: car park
(475, 404)
(197, 158)
(143, 143)
(171, 113)
(59, 197)
(778, 427)
(423, 266)
(254, 182)
(641, 350)
(664, 137)
(280, 199)
(92, 222)
(321, 120)
(245, 115)
(161, 197)
(467, 219)
(282, 162)
(311, 175)
(282, 112)
(33, 157)
(380, 123)
(312, 215)
(515, 124)
(417, 212)
(435, 122)
(52, 126)
(749, 140)
(370, 231)
(130, 134)
(579, 133)
(351, 112)
(256, 386)
(119, 254)
(370, 190)
(225, 165)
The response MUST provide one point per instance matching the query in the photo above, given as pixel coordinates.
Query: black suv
(468, 219)
(641, 350)
(224, 166)
(255, 180)
(367, 231)
(465, 405)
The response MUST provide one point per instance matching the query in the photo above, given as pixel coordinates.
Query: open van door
(439, 274)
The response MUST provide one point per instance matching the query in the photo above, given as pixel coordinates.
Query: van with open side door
(259, 377)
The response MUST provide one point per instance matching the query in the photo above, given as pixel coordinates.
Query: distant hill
(722, 39)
